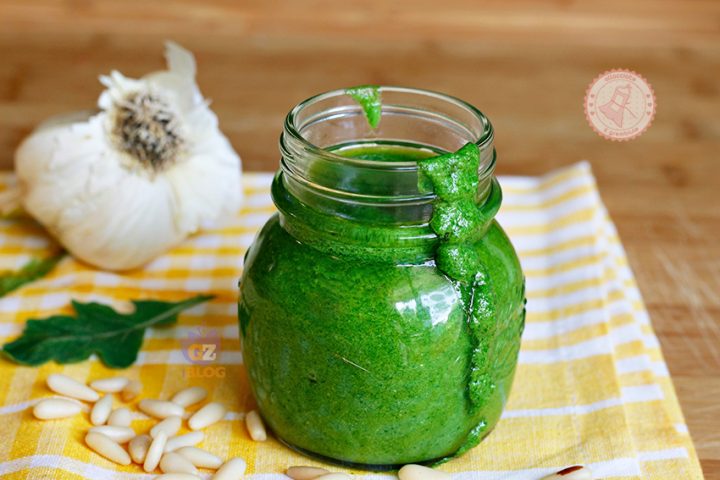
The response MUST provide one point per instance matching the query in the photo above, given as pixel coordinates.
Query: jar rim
(358, 189)
(485, 139)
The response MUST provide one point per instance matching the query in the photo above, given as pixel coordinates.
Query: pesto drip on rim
(369, 99)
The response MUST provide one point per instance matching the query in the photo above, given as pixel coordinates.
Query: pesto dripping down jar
(381, 308)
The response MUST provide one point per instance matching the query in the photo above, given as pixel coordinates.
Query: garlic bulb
(119, 187)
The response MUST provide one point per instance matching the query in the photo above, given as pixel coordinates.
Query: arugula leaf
(32, 270)
(96, 328)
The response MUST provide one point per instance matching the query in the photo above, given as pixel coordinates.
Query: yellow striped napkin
(591, 388)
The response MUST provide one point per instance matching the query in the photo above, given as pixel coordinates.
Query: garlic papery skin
(121, 186)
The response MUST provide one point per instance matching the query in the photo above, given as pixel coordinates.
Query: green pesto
(367, 349)
(385, 152)
(368, 97)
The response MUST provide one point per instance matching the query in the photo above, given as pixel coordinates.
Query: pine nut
(101, 411)
(130, 391)
(177, 476)
(188, 440)
(52, 408)
(109, 385)
(116, 434)
(189, 396)
(255, 426)
(200, 458)
(160, 408)
(418, 472)
(306, 473)
(120, 417)
(70, 387)
(338, 476)
(154, 453)
(175, 463)
(107, 448)
(138, 448)
(231, 470)
(576, 472)
(171, 425)
(211, 413)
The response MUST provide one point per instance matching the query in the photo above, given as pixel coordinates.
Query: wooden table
(527, 65)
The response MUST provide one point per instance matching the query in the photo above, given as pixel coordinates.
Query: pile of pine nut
(408, 472)
(419, 472)
(177, 455)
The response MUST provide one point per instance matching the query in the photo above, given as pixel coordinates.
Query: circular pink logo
(619, 105)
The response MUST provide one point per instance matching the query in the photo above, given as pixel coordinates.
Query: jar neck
(377, 203)
(399, 244)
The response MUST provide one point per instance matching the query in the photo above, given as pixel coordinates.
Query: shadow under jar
(359, 349)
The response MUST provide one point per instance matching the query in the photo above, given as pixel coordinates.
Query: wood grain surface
(526, 64)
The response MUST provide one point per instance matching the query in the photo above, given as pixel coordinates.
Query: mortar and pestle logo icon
(614, 110)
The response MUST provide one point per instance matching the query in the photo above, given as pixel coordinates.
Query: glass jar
(359, 349)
